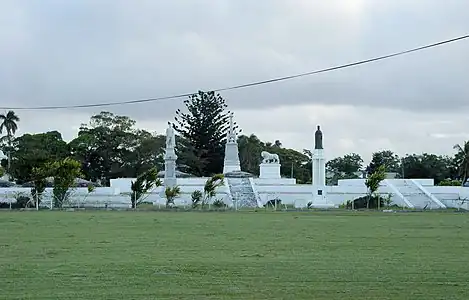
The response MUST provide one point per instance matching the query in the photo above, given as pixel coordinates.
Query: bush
(449, 182)
(273, 203)
(196, 198)
(142, 185)
(219, 204)
(21, 202)
(361, 202)
(171, 193)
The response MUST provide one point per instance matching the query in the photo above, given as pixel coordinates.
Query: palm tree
(9, 123)
(171, 193)
(462, 160)
(210, 187)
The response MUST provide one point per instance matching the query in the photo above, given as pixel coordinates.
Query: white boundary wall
(118, 195)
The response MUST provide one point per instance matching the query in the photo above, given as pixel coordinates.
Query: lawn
(244, 255)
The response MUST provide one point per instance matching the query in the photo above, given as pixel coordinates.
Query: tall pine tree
(202, 134)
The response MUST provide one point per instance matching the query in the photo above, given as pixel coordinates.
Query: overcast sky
(87, 51)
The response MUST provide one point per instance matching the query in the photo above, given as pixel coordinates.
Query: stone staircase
(242, 192)
(416, 196)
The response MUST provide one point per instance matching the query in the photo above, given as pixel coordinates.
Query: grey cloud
(72, 52)
(100, 51)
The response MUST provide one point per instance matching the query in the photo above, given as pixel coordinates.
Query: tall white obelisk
(319, 173)
(231, 161)
(170, 158)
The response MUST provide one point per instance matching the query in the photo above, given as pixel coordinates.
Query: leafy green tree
(34, 151)
(385, 158)
(250, 148)
(345, 167)
(65, 172)
(102, 145)
(39, 177)
(2, 171)
(171, 193)
(427, 166)
(202, 132)
(210, 187)
(462, 160)
(148, 153)
(111, 147)
(144, 183)
(295, 165)
(372, 183)
(8, 122)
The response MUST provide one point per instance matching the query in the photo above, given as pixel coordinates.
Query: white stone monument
(170, 158)
(270, 166)
(231, 162)
(319, 173)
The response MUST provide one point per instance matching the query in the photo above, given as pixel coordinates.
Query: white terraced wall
(100, 198)
(117, 196)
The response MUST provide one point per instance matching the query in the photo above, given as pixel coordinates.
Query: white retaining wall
(118, 195)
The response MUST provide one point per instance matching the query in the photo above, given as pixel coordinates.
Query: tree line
(111, 146)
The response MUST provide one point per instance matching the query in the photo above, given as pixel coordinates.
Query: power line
(246, 84)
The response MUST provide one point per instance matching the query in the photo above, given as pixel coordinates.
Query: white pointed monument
(231, 162)
(170, 158)
(319, 173)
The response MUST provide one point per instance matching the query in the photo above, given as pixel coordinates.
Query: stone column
(170, 158)
(231, 162)
(319, 173)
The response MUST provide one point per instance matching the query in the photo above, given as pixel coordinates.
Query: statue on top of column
(170, 137)
(318, 139)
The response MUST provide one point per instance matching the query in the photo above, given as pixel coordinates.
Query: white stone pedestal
(319, 168)
(320, 198)
(170, 168)
(270, 171)
(231, 162)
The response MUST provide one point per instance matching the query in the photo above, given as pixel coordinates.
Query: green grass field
(263, 255)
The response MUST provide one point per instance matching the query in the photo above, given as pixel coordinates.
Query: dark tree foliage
(461, 161)
(385, 158)
(110, 147)
(202, 134)
(292, 162)
(35, 150)
(345, 167)
(428, 165)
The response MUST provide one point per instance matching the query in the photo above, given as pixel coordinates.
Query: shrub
(273, 203)
(218, 203)
(65, 173)
(365, 202)
(22, 201)
(171, 193)
(144, 183)
(210, 187)
(196, 198)
(449, 182)
(39, 176)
